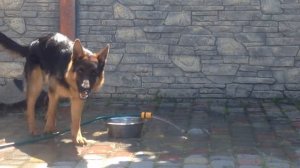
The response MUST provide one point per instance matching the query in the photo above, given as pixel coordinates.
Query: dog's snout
(85, 84)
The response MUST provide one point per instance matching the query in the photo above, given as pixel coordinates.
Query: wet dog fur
(68, 70)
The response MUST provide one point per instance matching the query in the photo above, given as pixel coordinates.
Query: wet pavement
(242, 133)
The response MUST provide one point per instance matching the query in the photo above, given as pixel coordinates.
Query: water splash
(169, 122)
(191, 132)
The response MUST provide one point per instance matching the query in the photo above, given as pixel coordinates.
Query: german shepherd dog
(67, 68)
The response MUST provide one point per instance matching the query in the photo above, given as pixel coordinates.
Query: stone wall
(196, 48)
(24, 21)
(174, 48)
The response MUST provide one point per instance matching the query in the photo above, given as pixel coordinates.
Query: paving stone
(195, 166)
(196, 159)
(248, 159)
(222, 164)
(144, 164)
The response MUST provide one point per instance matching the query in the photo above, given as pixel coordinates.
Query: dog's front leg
(76, 110)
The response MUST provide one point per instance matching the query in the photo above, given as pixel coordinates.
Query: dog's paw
(79, 140)
(49, 129)
(33, 131)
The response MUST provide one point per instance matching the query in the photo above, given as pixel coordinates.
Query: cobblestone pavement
(242, 134)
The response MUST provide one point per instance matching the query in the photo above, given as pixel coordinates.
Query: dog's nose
(85, 84)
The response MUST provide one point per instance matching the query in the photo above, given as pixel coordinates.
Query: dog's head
(88, 68)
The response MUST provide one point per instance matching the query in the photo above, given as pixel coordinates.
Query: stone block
(238, 90)
(122, 12)
(259, 29)
(11, 69)
(236, 59)
(150, 15)
(122, 79)
(146, 58)
(114, 59)
(228, 46)
(187, 63)
(152, 79)
(11, 92)
(135, 48)
(292, 94)
(225, 29)
(97, 38)
(133, 34)
(95, 15)
(271, 7)
(197, 30)
(16, 24)
(291, 75)
(220, 69)
(250, 37)
(278, 51)
(262, 87)
(141, 68)
(157, 49)
(117, 22)
(97, 2)
(178, 18)
(237, 2)
(11, 5)
(137, 2)
(254, 80)
(163, 29)
(290, 29)
(220, 79)
(170, 2)
(252, 68)
(196, 40)
(203, 8)
(181, 50)
(178, 93)
(271, 61)
(267, 94)
(199, 19)
(265, 74)
(42, 21)
(283, 41)
(238, 15)
(167, 72)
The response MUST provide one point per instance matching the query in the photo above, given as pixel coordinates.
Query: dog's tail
(13, 46)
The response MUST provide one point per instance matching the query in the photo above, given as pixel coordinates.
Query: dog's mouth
(84, 95)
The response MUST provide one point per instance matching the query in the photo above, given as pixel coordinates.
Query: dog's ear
(102, 54)
(78, 52)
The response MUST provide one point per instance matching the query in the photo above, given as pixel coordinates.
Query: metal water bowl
(125, 127)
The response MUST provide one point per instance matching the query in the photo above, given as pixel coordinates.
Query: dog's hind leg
(34, 88)
(51, 112)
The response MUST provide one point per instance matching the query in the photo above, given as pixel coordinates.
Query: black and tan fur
(67, 68)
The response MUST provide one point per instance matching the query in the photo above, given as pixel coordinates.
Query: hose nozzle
(146, 115)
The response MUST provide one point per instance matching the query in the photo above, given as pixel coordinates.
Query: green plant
(157, 97)
(276, 100)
